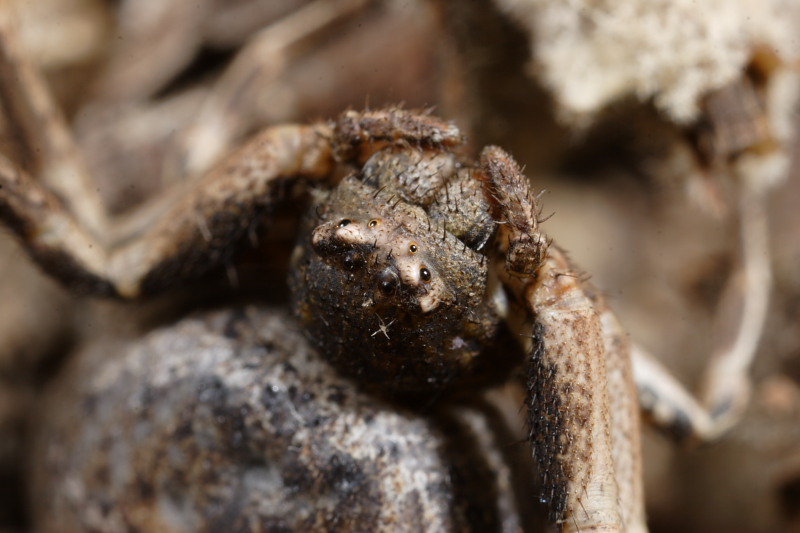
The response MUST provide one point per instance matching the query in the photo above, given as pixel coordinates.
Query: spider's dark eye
(374, 222)
(352, 260)
(344, 222)
(424, 274)
(412, 248)
(388, 282)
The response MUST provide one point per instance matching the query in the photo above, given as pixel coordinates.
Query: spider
(413, 270)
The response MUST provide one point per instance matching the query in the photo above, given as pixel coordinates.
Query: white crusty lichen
(591, 53)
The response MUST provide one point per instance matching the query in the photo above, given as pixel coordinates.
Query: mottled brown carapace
(391, 274)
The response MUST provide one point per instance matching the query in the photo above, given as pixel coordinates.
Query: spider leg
(63, 226)
(736, 140)
(197, 223)
(625, 414)
(359, 134)
(46, 142)
(725, 389)
(583, 417)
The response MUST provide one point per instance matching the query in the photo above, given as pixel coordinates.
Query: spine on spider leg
(569, 418)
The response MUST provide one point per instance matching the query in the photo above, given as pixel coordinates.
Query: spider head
(387, 293)
(387, 263)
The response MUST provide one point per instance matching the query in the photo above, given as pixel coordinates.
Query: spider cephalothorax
(391, 274)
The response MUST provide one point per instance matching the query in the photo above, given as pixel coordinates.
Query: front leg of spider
(588, 455)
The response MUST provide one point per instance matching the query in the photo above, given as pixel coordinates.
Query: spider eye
(344, 222)
(388, 282)
(425, 274)
(374, 222)
(412, 248)
(352, 260)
